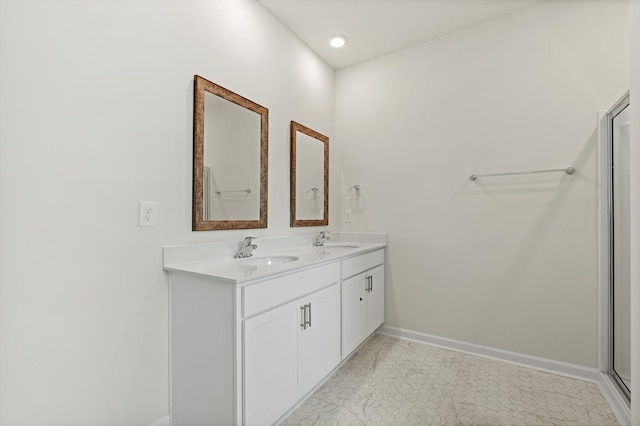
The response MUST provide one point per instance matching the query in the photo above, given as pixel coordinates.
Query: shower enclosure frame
(606, 247)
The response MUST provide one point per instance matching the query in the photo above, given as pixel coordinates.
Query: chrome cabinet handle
(303, 316)
(369, 280)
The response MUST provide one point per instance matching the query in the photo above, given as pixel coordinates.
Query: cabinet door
(320, 342)
(354, 313)
(375, 299)
(271, 383)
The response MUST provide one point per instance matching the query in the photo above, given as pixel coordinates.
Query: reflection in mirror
(230, 159)
(231, 139)
(309, 177)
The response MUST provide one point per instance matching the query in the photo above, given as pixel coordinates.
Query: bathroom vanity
(250, 338)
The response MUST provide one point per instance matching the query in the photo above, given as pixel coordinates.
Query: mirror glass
(230, 159)
(309, 177)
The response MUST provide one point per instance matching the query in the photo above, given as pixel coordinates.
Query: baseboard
(163, 421)
(529, 361)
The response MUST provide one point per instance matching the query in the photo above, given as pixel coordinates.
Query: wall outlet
(148, 213)
(348, 216)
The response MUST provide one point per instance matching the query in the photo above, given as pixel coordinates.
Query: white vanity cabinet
(287, 351)
(362, 298)
(245, 353)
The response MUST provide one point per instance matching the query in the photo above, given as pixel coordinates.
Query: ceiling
(377, 27)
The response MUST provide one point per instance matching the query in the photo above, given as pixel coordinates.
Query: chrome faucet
(246, 248)
(321, 238)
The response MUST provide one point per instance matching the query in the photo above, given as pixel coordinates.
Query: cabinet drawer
(268, 294)
(355, 265)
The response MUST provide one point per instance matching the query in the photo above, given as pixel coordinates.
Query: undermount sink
(268, 260)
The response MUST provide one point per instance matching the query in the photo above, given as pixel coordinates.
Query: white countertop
(222, 266)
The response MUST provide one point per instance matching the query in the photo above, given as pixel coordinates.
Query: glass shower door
(620, 315)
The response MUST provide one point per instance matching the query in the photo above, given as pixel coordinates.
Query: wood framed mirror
(230, 159)
(309, 194)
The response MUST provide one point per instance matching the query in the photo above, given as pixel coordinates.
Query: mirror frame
(200, 86)
(297, 127)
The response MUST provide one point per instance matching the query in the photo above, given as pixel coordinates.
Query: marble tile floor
(392, 381)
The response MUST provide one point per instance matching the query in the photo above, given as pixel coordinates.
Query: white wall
(509, 262)
(96, 106)
(634, 37)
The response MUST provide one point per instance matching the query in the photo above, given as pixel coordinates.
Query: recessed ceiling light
(338, 41)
